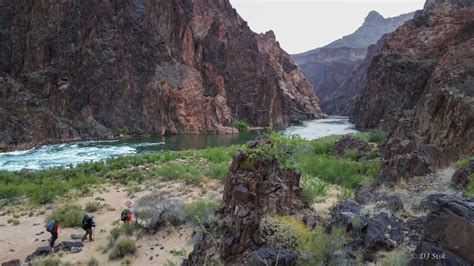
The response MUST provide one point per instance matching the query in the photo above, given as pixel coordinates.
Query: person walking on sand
(52, 227)
(87, 224)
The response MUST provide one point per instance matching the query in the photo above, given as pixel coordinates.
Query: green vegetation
(122, 248)
(92, 262)
(200, 211)
(178, 252)
(68, 215)
(469, 190)
(48, 261)
(241, 125)
(313, 189)
(92, 206)
(315, 247)
(13, 221)
(394, 258)
(377, 136)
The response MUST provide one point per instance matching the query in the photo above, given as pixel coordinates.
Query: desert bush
(129, 229)
(115, 233)
(272, 231)
(92, 206)
(394, 258)
(92, 262)
(48, 261)
(351, 154)
(313, 189)
(155, 210)
(216, 170)
(68, 215)
(199, 212)
(324, 248)
(174, 170)
(13, 221)
(122, 248)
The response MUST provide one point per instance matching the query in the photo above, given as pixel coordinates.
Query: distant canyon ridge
(73, 70)
(333, 69)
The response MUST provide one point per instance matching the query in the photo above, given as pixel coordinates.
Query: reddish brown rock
(419, 86)
(71, 71)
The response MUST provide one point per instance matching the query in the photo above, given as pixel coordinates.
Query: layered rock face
(335, 69)
(74, 70)
(420, 85)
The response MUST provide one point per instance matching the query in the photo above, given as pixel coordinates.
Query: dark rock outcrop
(15, 262)
(449, 230)
(462, 177)
(254, 187)
(74, 70)
(271, 255)
(335, 69)
(348, 142)
(419, 86)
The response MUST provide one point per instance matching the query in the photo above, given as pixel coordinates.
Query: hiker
(126, 216)
(52, 227)
(87, 224)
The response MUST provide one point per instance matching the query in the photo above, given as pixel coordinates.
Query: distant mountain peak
(373, 17)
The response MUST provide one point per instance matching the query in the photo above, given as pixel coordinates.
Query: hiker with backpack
(87, 224)
(126, 216)
(52, 227)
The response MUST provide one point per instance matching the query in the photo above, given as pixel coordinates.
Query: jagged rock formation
(420, 85)
(254, 187)
(448, 232)
(334, 68)
(71, 70)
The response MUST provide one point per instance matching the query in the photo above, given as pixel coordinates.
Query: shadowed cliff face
(420, 85)
(74, 70)
(335, 69)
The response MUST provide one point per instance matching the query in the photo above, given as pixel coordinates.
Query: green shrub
(13, 221)
(469, 190)
(156, 210)
(48, 261)
(273, 231)
(130, 228)
(178, 252)
(92, 206)
(173, 171)
(122, 248)
(69, 215)
(351, 154)
(115, 233)
(241, 125)
(313, 189)
(217, 170)
(394, 258)
(92, 262)
(324, 248)
(200, 211)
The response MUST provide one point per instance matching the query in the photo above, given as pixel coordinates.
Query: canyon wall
(335, 69)
(420, 85)
(72, 70)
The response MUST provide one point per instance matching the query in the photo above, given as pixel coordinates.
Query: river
(69, 154)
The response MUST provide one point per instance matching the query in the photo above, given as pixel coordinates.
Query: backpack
(87, 221)
(124, 215)
(50, 226)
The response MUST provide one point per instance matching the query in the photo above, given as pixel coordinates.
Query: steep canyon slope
(334, 68)
(420, 86)
(72, 70)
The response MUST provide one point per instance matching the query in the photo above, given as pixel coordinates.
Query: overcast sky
(302, 25)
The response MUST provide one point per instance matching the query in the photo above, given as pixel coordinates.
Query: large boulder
(348, 143)
(449, 230)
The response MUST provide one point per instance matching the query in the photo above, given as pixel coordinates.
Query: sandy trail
(17, 242)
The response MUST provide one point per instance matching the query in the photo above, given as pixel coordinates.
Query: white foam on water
(314, 129)
(60, 155)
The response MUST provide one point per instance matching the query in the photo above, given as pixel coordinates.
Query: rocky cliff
(73, 70)
(335, 69)
(420, 84)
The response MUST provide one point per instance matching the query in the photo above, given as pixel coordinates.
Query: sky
(302, 25)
